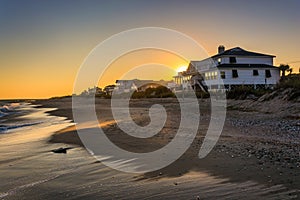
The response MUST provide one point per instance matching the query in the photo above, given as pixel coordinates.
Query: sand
(257, 157)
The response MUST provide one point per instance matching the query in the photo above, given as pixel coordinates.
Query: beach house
(229, 69)
(126, 86)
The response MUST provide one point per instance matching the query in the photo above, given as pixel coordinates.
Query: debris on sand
(61, 150)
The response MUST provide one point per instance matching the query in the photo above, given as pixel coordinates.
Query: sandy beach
(257, 156)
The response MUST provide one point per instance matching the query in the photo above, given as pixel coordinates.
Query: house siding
(245, 77)
(248, 60)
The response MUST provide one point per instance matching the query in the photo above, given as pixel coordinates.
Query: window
(255, 72)
(268, 73)
(206, 76)
(219, 60)
(232, 60)
(215, 75)
(222, 73)
(235, 73)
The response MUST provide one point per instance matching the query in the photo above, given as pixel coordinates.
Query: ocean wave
(5, 128)
(8, 109)
(2, 113)
(12, 108)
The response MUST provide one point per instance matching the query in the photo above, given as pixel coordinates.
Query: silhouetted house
(109, 89)
(228, 69)
(126, 86)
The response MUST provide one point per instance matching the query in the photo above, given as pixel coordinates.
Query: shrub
(290, 82)
(241, 92)
(159, 92)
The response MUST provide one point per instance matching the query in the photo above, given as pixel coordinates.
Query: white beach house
(228, 69)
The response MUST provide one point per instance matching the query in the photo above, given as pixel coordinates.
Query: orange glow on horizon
(143, 64)
(45, 76)
(37, 82)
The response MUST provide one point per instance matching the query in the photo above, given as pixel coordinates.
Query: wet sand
(245, 164)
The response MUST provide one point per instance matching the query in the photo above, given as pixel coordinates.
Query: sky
(44, 43)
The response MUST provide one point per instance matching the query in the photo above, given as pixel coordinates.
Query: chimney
(221, 49)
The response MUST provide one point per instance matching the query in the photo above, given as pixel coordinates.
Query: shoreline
(237, 157)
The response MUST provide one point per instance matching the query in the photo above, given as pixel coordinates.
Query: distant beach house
(229, 69)
(126, 86)
(109, 89)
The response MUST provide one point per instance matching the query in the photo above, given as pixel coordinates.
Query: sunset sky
(43, 43)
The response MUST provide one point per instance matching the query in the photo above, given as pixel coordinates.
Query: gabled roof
(237, 51)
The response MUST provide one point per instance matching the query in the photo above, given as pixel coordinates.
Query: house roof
(255, 66)
(237, 51)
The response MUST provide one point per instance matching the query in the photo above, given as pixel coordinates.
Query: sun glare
(181, 69)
